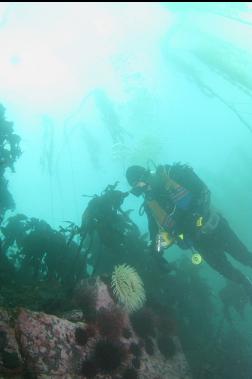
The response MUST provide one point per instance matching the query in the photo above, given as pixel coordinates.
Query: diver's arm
(159, 220)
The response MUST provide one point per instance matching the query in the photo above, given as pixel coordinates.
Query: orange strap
(158, 213)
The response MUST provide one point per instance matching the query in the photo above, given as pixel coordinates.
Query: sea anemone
(88, 369)
(166, 346)
(128, 287)
(110, 322)
(109, 355)
(81, 336)
(143, 323)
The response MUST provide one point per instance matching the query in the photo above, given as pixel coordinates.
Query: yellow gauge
(166, 240)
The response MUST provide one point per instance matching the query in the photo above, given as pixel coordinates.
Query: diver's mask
(139, 188)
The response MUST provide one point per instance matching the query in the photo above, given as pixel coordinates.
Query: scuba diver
(103, 214)
(178, 207)
(105, 225)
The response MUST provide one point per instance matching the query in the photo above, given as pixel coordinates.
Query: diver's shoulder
(179, 166)
(178, 170)
(174, 169)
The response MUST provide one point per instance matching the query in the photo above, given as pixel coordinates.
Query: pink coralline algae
(46, 346)
(49, 343)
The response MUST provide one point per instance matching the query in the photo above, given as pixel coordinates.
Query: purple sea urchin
(85, 298)
(109, 355)
(89, 369)
(110, 322)
(130, 373)
(81, 336)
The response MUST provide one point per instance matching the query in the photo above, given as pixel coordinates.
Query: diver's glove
(151, 246)
(152, 249)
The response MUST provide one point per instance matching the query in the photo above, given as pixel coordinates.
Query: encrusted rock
(48, 343)
(50, 349)
(75, 315)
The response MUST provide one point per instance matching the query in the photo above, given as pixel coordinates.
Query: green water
(94, 88)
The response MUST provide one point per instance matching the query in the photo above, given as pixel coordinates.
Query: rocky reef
(102, 341)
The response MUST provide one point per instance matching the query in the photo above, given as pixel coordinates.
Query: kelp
(47, 154)
(193, 74)
(92, 146)
(109, 115)
(227, 60)
(95, 103)
(10, 151)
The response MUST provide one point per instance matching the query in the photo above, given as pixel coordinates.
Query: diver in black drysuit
(178, 202)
